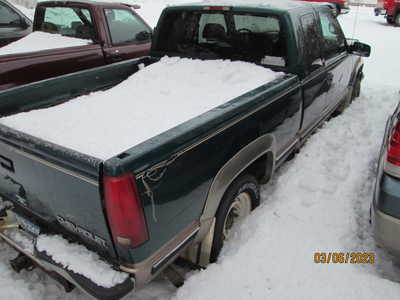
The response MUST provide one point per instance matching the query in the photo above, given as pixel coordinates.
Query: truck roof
(84, 2)
(281, 5)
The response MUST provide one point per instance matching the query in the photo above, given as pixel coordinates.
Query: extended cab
(114, 33)
(391, 10)
(117, 173)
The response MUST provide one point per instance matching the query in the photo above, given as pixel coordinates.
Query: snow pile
(25, 241)
(153, 100)
(40, 41)
(79, 260)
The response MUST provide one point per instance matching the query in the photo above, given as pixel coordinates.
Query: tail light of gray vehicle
(392, 160)
(125, 211)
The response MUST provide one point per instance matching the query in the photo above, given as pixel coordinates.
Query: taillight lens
(393, 155)
(124, 211)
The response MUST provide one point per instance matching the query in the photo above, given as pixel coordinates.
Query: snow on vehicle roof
(154, 99)
(40, 41)
(270, 4)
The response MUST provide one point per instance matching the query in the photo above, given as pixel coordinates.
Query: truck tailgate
(56, 190)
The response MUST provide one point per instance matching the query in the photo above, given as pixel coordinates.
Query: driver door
(129, 36)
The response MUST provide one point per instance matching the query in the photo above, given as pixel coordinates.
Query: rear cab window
(252, 37)
(69, 21)
(125, 27)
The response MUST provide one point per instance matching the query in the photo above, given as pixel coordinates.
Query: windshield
(223, 34)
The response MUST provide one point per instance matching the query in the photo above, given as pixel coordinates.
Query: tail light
(393, 154)
(124, 211)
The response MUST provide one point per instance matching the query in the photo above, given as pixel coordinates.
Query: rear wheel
(397, 19)
(357, 87)
(390, 20)
(241, 197)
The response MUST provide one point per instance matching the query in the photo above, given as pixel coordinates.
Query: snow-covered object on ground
(4, 204)
(40, 41)
(79, 260)
(23, 240)
(153, 100)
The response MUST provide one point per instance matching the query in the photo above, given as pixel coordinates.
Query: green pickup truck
(144, 161)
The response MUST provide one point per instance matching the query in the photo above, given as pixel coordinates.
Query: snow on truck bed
(151, 101)
(40, 41)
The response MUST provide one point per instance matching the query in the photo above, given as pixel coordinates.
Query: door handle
(115, 56)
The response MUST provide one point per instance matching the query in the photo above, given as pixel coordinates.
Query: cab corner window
(333, 41)
(125, 27)
(311, 42)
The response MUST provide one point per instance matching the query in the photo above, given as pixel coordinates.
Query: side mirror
(360, 49)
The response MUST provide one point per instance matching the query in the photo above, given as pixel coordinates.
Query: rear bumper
(386, 231)
(48, 265)
(385, 213)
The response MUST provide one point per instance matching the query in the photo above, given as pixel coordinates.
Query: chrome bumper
(8, 227)
(386, 231)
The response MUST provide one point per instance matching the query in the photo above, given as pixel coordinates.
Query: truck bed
(153, 100)
(41, 41)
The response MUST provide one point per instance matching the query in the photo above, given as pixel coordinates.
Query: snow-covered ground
(317, 202)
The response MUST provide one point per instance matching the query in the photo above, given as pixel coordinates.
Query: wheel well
(262, 168)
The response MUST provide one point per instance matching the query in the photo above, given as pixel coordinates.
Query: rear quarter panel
(175, 170)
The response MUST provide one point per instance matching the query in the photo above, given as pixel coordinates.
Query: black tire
(244, 184)
(357, 87)
(396, 20)
(390, 20)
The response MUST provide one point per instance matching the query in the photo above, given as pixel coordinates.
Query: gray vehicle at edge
(385, 208)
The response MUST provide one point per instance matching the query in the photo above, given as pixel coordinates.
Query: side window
(70, 21)
(7, 16)
(333, 41)
(312, 49)
(125, 27)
